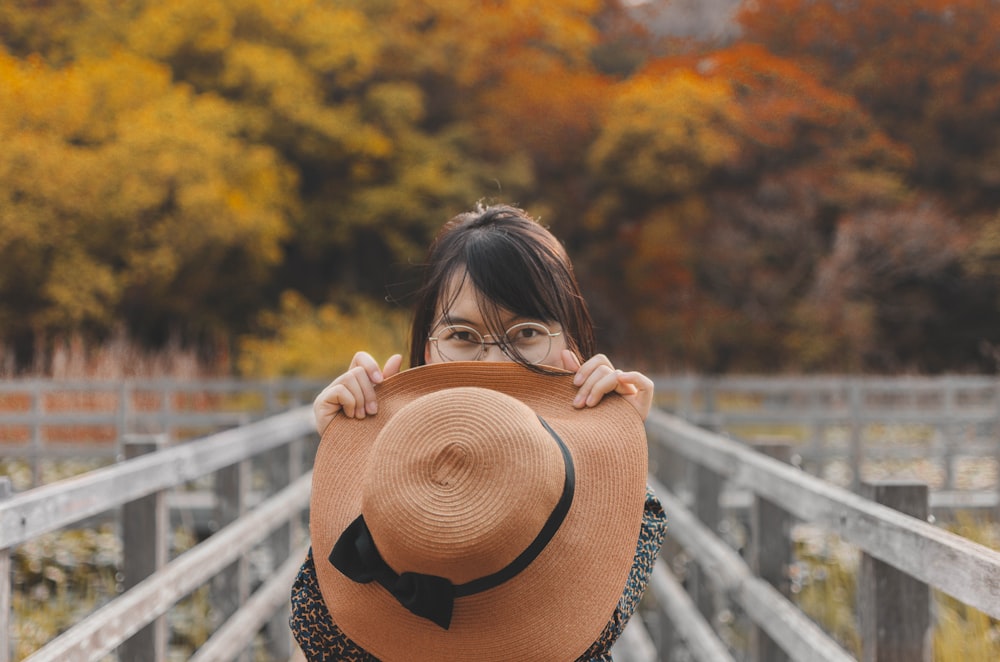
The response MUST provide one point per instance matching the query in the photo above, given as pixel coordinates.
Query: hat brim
(556, 607)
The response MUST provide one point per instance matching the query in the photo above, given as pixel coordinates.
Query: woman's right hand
(354, 391)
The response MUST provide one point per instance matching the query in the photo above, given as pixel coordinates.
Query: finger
(570, 361)
(597, 377)
(594, 363)
(604, 384)
(358, 381)
(367, 362)
(643, 390)
(329, 402)
(349, 393)
(626, 385)
(392, 365)
(637, 381)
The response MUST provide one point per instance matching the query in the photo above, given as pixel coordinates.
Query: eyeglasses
(528, 341)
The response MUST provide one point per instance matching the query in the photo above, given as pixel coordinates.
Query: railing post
(770, 552)
(145, 535)
(709, 405)
(707, 486)
(817, 439)
(6, 641)
(122, 416)
(685, 398)
(893, 608)
(168, 391)
(231, 587)
(669, 468)
(283, 467)
(855, 398)
(37, 413)
(950, 429)
(996, 441)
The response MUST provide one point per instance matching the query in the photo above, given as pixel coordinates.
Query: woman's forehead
(460, 299)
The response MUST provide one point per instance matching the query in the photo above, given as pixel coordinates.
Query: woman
(498, 287)
(488, 271)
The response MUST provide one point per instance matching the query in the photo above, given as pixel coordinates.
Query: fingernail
(377, 377)
(372, 407)
(577, 379)
(578, 401)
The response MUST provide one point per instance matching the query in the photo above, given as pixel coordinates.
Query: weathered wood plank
(894, 609)
(232, 637)
(5, 588)
(770, 551)
(965, 570)
(688, 624)
(230, 588)
(792, 630)
(53, 506)
(145, 545)
(109, 626)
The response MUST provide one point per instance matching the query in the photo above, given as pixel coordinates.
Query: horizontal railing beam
(108, 627)
(686, 621)
(967, 571)
(53, 506)
(791, 629)
(232, 636)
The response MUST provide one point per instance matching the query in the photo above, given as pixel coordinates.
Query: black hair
(515, 264)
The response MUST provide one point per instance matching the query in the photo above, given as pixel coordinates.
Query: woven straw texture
(556, 607)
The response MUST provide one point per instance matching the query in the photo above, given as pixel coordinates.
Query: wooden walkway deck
(701, 580)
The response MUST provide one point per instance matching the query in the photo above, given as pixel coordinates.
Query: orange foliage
(928, 71)
(783, 108)
(724, 174)
(548, 109)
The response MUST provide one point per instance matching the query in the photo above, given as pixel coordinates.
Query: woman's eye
(463, 336)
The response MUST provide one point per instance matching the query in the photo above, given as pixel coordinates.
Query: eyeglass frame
(502, 345)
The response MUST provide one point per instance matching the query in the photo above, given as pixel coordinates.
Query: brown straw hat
(478, 516)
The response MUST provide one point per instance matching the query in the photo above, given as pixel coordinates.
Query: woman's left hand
(597, 377)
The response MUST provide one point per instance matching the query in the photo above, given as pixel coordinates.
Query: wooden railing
(903, 556)
(858, 422)
(133, 622)
(692, 469)
(43, 418)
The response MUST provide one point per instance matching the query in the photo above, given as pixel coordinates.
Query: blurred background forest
(775, 186)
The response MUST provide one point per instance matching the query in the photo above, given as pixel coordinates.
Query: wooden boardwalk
(701, 577)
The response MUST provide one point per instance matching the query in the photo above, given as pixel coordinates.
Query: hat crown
(463, 480)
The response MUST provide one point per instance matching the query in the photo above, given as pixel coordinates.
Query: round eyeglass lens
(530, 340)
(459, 343)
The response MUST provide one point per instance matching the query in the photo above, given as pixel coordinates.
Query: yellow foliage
(114, 178)
(962, 632)
(983, 259)
(474, 48)
(198, 26)
(306, 341)
(663, 135)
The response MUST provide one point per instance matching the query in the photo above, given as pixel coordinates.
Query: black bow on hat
(427, 596)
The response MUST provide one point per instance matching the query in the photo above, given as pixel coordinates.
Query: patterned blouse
(322, 641)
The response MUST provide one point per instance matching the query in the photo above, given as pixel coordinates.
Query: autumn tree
(927, 70)
(893, 295)
(725, 176)
(126, 197)
(372, 123)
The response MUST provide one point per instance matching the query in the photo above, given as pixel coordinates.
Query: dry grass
(116, 358)
(824, 580)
